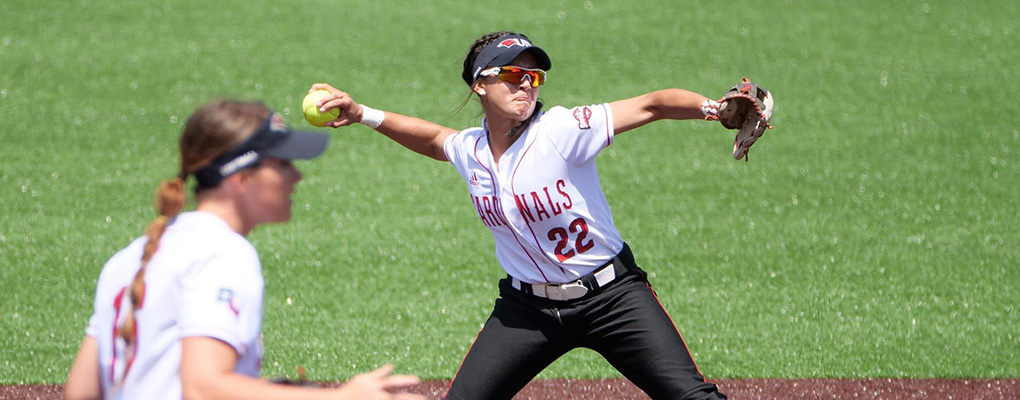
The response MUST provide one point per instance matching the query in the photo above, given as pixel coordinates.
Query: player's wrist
(710, 109)
(371, 117)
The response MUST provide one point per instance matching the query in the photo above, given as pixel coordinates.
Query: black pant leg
(517, 342)
(634, 333)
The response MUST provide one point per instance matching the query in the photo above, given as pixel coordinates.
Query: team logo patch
(583, 117)
(508, 43)
(227, 296)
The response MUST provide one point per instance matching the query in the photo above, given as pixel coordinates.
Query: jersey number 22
(562, 239)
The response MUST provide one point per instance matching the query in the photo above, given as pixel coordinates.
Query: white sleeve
(117, 273)
(460, 149)
(580, 133)
(93, 329)
(219, 296)
(453, 147)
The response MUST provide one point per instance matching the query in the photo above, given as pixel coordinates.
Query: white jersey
(543, 202)
(204, 280)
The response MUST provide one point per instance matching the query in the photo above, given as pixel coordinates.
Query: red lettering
(556, 209)
(497, 207)
(488, 211)
(559, 235)
(560, 184)
(481, 215)
(580, 227)
(539, 207)
(522, 207)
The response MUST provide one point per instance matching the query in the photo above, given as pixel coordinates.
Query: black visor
(271, 139)
(503, 50)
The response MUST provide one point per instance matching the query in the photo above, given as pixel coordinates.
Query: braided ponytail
(169, 201)
(211, 130)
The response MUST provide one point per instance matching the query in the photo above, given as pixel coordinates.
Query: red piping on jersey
(131, 349)
(492, 178)
(116, 316)
(609, 136)
(514, 192)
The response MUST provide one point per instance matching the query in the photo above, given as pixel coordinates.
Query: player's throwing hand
(350, 112)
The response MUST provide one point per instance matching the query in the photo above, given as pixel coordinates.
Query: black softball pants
(625, 323)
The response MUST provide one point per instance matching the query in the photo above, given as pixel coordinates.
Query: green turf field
(872, 234)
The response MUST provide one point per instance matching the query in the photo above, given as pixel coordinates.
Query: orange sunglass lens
(516, 75)
(537, 78)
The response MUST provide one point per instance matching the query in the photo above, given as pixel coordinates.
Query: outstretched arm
(662, 104)
(421, 136)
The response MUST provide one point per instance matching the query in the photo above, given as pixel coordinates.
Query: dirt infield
(619, 389)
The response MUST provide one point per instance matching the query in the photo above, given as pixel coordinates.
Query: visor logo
(276, 124)
(508, 43)
(239, 163)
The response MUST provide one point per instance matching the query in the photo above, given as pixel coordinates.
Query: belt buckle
(566, 291)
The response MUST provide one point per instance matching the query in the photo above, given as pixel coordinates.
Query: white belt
(571, 290)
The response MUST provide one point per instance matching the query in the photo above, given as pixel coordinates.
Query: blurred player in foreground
(178, 312)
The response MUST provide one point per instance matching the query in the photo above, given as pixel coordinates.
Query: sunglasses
(516, 75)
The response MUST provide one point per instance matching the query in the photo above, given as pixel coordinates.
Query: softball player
(531, 174)
(178, 312)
